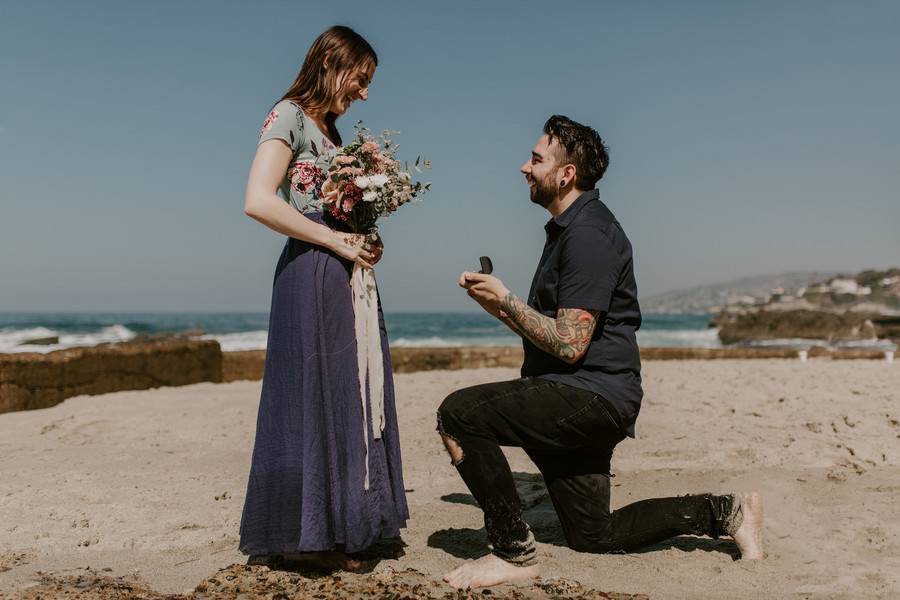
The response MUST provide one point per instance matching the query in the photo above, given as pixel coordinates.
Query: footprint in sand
(10, 560)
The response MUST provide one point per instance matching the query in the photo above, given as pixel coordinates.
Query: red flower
(305, 176)
(271, 118)
(352, 195)
(337, 214)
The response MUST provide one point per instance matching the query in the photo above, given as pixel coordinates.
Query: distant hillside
(710, 297)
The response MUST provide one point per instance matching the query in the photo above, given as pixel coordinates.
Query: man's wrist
(507, 301)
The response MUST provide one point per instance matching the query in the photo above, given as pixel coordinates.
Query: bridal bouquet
(366, 182)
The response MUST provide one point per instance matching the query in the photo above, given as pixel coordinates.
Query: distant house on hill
(842, 285)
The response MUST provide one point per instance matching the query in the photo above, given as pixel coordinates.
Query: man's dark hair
(582, 147)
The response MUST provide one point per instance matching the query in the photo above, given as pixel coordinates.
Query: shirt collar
(569, 214)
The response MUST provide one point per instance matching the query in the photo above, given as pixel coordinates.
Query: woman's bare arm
(261, 202)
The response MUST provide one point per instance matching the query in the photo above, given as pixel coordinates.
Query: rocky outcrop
(809, 324)
(41, 341)
(887, 327)
(249, 364)
(33, 380)
(408, 360)
(244, 364)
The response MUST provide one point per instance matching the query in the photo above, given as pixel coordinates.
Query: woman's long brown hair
(315, 86)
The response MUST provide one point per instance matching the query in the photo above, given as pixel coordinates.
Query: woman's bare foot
(487, 571)
(322, 561)
(749, 536)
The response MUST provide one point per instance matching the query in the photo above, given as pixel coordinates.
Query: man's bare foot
(487, 571)
(322, 561)
(749, 536)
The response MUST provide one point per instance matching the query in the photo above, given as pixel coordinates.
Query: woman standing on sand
(315, 490)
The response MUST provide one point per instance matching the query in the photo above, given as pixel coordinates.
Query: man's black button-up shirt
(587, 264)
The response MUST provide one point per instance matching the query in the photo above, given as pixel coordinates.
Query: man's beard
(542, 193)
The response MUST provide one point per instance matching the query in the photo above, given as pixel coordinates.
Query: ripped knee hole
(453, 448)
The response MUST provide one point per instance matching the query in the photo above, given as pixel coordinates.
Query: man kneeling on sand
(580, 389)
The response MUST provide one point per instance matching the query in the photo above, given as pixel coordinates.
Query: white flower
(378, 180)
(362, 182)
(370, 195)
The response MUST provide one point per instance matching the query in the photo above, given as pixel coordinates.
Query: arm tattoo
(566, 337)
(509, 323)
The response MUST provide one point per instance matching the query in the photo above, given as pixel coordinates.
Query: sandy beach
(149, 485)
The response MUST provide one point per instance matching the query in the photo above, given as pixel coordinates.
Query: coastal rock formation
(865, 306)
(250, 364)
(782, 324)
(33, 380)
(243, 365)
(408, 360)
(41, 341)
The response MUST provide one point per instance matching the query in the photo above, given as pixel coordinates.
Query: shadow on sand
(368, 560)
(538, 510)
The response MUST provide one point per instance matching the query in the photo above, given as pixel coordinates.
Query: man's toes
(455, 573)
(452, 577)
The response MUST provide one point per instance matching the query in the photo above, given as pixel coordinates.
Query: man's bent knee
(453, 449)
(450, 413)
(448, 423)
(454, 405)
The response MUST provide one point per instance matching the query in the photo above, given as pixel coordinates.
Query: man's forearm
(509, 323)
(566, 337)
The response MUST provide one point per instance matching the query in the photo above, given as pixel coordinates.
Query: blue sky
(745, 138)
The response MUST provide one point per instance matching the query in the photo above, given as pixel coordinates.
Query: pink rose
(305, 176)
(329, 191)
(350, 171)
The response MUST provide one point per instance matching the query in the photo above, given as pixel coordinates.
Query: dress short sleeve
(284, 122)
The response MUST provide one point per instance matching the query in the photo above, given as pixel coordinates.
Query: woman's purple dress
(306, 487)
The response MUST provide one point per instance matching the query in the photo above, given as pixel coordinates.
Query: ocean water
(247, 331)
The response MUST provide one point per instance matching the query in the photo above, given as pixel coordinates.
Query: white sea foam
(440, 342)
(245, 340)
(11, 340)
(256, 340)
(696, 338)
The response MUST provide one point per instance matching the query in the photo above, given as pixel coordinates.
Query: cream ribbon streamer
(368, 351)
